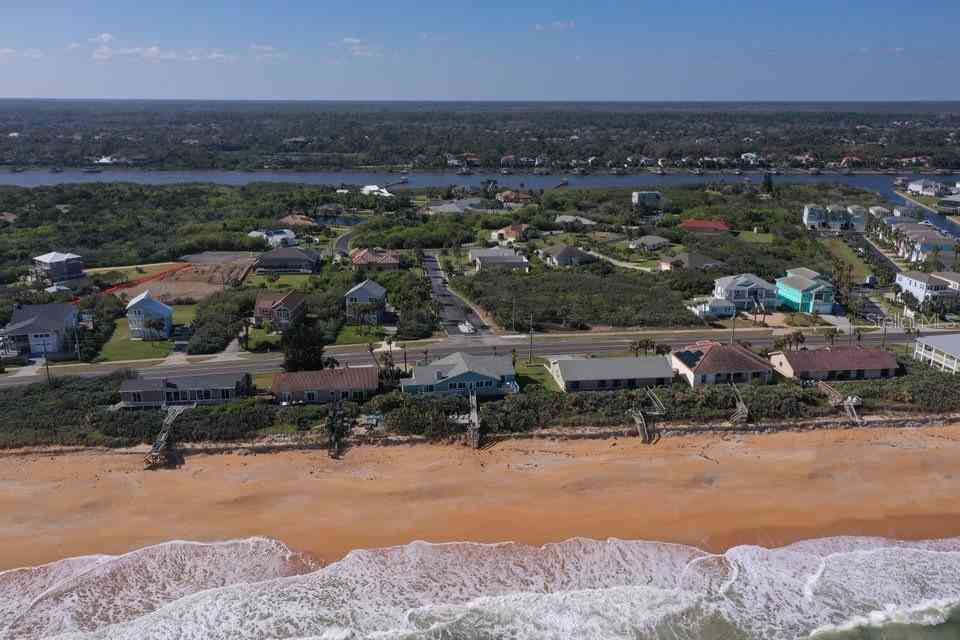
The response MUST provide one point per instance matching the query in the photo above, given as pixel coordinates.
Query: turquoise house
(806, 291)
(464, 374)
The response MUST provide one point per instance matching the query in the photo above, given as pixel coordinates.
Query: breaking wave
(827, 589)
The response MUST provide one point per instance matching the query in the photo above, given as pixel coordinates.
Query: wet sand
(706, 491)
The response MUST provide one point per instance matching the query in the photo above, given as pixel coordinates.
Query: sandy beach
(705, 491)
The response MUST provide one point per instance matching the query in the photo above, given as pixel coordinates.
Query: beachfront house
(355, 384)
(288, 260)
(365, 301)
(708, 362)
(835, 363)
(939, 351)
(55, 267)
(923, 286)
(281, 308)
(606, 374)
(806, 291)
(710, 308)
(746, 291)
(463, 374)
(148, 318)
(207, 389)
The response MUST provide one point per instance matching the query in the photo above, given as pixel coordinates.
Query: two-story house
(288, 260)
(923, 286)
(510, 234)
(806, 291)
(282, 308)
(463, 374)
(40, 329)
(148, 318)
(365, 301)
(746, 291)
(55, 267)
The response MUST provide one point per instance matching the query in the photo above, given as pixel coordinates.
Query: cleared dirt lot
(198, 281)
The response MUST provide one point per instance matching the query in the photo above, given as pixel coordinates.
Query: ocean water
(826, 589)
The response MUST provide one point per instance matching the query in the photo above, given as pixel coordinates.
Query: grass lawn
(260, 340)
(535, 373)
(839, 249)
(284, 281)
(805, 320)
(121, 347)
(759, 238)
(351, 334)
(184, 313)
(263, 380)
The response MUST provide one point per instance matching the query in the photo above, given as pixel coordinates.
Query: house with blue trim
(806, 291)
(148, 318)
(462, 374)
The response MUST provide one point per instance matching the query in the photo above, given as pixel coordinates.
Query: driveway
(453, 310)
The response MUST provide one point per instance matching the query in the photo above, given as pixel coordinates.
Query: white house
(880, 212)
(926, 187)
(745, 291)
(276, 237)
(646, 198)
(709, 308)
(145, 310)
(375, 190)
(923, 286)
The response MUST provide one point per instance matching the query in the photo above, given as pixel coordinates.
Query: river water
(882, 184)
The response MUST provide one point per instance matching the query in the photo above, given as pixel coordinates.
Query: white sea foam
(579, 588)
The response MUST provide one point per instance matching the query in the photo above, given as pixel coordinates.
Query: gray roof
(373, 289)
(459, 363)
(803, 272)
(583, 369)
(505, 260)
(492, 251)
(290, 253)
(802, 284)
(948, 343)
(568, 219)
(745, 280)
(38, 317)
(652, 240)
(948, 276)
(185, 383)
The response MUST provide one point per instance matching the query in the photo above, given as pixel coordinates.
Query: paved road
(342, 243)
(453, 310)
(619, 263)
(588, 344)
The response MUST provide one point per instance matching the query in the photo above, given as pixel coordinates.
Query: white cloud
(103, 38)
(73, 46)
(357, 48)
(898, 50)
(7, 53)
(351, 41)
(155, 53)
(434, 37)
(556, 25)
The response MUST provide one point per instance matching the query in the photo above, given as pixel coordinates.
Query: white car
(466, 327)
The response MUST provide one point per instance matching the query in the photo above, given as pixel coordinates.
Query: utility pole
(733, 332)
(531, 337)
(514, 313)
(46, 363)
(883, 339)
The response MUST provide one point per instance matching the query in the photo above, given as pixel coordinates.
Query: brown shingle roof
(704, 225)
(713, 357)
(340, 379)
(375, 256)
(840, 359)
(268, 299)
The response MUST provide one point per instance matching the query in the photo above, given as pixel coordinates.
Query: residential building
(462, 374)
(367, 298)
(834, 217)
(649, 243)
(689, 261)
(375, 259)
(288, 260)
(806, 291)
(375, 190)
(746, 291)
(510, 234)
(148, 318)
(709, 308)
(454, 207)
(949, 205)
(281, 308)
(568, 219)
(926, 187)
(923, 286)
(514, 262)
(207, 389)
(939, 351)
(276, 237)
(514, 199)
(704, 226)
(708, 362)
(952, 278)
(40, 329)
(342, 383)
(814, 216)
(880, 212)
(563, 255)
(650, 199)
(605, 374)
(490, 252)
(56, 267)
(835, 363)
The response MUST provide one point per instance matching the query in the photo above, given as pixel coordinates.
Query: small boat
(660, 171)
(464, 171)
(814, 171)
(697, 172)
(738, 172)
(92, 170)
(563, 182)
(17, 170)
(56, 170)
(505, 172)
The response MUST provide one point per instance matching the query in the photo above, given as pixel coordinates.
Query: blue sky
(448, 50)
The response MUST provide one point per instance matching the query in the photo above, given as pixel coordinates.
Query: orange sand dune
(704, 491)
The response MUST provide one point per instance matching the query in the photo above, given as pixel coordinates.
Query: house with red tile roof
(282, 308)
(710, 362)
(326, 385)
(511, 233)
(835, 363)
(375, 259)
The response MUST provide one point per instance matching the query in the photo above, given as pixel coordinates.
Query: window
(602, 384)
(137, 396)
(574, 386)
(311, 396)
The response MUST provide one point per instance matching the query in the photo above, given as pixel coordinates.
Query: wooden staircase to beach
(742, 413)
(162, 452)
(643, 418)
(849, 404)
(474, 437)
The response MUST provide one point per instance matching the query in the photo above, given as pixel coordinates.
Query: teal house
(464, 374)
(806, 291)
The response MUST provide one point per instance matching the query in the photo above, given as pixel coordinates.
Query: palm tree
(830, 335)
(798, 339)
(403, 349)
